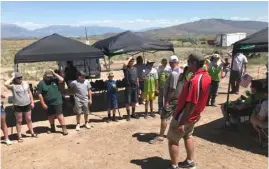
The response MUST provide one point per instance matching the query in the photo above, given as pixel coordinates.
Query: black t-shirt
(70, 73)
(130, 77)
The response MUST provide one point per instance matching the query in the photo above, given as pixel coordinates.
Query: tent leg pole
(108, 64)
(16, 67)
(144, 58)
(229, 84)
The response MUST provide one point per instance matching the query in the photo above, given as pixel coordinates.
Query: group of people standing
(182, 95)
(51, 101)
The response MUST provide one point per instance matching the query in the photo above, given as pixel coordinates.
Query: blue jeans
(213, 91)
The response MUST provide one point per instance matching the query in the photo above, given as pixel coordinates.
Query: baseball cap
(17, 75)
(150, 61)
(173, 59)
(48, 73)
(110, 74)
(216, 56)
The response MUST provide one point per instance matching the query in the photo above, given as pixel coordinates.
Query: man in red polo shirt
(191, 102)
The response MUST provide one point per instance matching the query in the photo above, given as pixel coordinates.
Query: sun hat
(17, 75)
(48, 73)
(173, 59)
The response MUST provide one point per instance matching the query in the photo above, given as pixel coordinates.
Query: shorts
(131, 95)
(55, 110)
(176, 136)
(166, 114)
(22, 109)
(141, 86)
(81, 107)
(149, 96)
(112, 103)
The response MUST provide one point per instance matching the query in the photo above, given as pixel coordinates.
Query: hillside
(204, 27)
(208, 27)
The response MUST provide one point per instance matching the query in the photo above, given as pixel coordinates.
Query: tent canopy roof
(131, 42)
(56, 48)
(257, 42)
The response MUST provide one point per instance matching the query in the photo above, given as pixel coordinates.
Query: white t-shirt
(264, 109)
(239, 60)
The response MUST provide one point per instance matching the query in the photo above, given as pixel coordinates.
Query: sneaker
(214, 104)
(128, 118)
(65, 132)
(134, 116)
(152, 114)
(108, 120)
(171, 167)
(78, 127)
(8, 142)
(156, 139)
(114, 119)
(137, 104)
(187, 164)
(87, 125)
(146, 116)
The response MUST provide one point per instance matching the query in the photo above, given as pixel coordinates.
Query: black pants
(235, 80)
(213, 91)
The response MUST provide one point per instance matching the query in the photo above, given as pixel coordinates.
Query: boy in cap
(164, 71)
(83, 97)
(131, 87)
(111, 96)
(51, 99)
(215, 70)
(150, 77)
(140, 67)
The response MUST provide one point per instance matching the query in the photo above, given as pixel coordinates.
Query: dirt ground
(124, 145)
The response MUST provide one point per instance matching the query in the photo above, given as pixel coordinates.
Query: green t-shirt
(214, 71)
(163, 73)
(150, 77)
(50, 92)
(254, 99)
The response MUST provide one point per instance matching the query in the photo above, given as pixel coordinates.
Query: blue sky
(127, 15)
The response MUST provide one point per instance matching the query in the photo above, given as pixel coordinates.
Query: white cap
(173, 58)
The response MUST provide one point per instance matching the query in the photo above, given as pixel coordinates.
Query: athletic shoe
(146, 116)
(156, 139)
(128, 118)
(152, 114)
(8, 142)
(78, 127)
(187, 164)
(87, 125)
(65, 132)
(171, 167)
(134, 116)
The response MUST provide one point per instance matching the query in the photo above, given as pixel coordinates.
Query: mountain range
(201, 27)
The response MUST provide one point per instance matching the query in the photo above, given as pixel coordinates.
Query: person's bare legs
(163, 127)
(18, 123)
(77, 117)
(173, 151)
(86, 119)
(151, 108)
(128, 112)
(146, 108)
(4, 126)
(61, 120)
(189, 146)
(51, 119)
(28, 120)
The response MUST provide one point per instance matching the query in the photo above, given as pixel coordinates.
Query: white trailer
(229, 39)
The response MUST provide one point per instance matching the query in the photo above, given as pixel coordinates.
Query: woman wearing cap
(23, 102)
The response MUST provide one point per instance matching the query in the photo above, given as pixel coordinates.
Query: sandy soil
(124, 145)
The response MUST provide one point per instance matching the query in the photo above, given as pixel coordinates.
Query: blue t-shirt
(111, 89)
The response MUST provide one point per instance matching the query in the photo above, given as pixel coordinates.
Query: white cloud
(30, 25)
(262, 18)
(240, 18)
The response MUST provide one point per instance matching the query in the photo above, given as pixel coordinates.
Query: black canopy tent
(127, 42)
(257, 42)
(56, 48)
